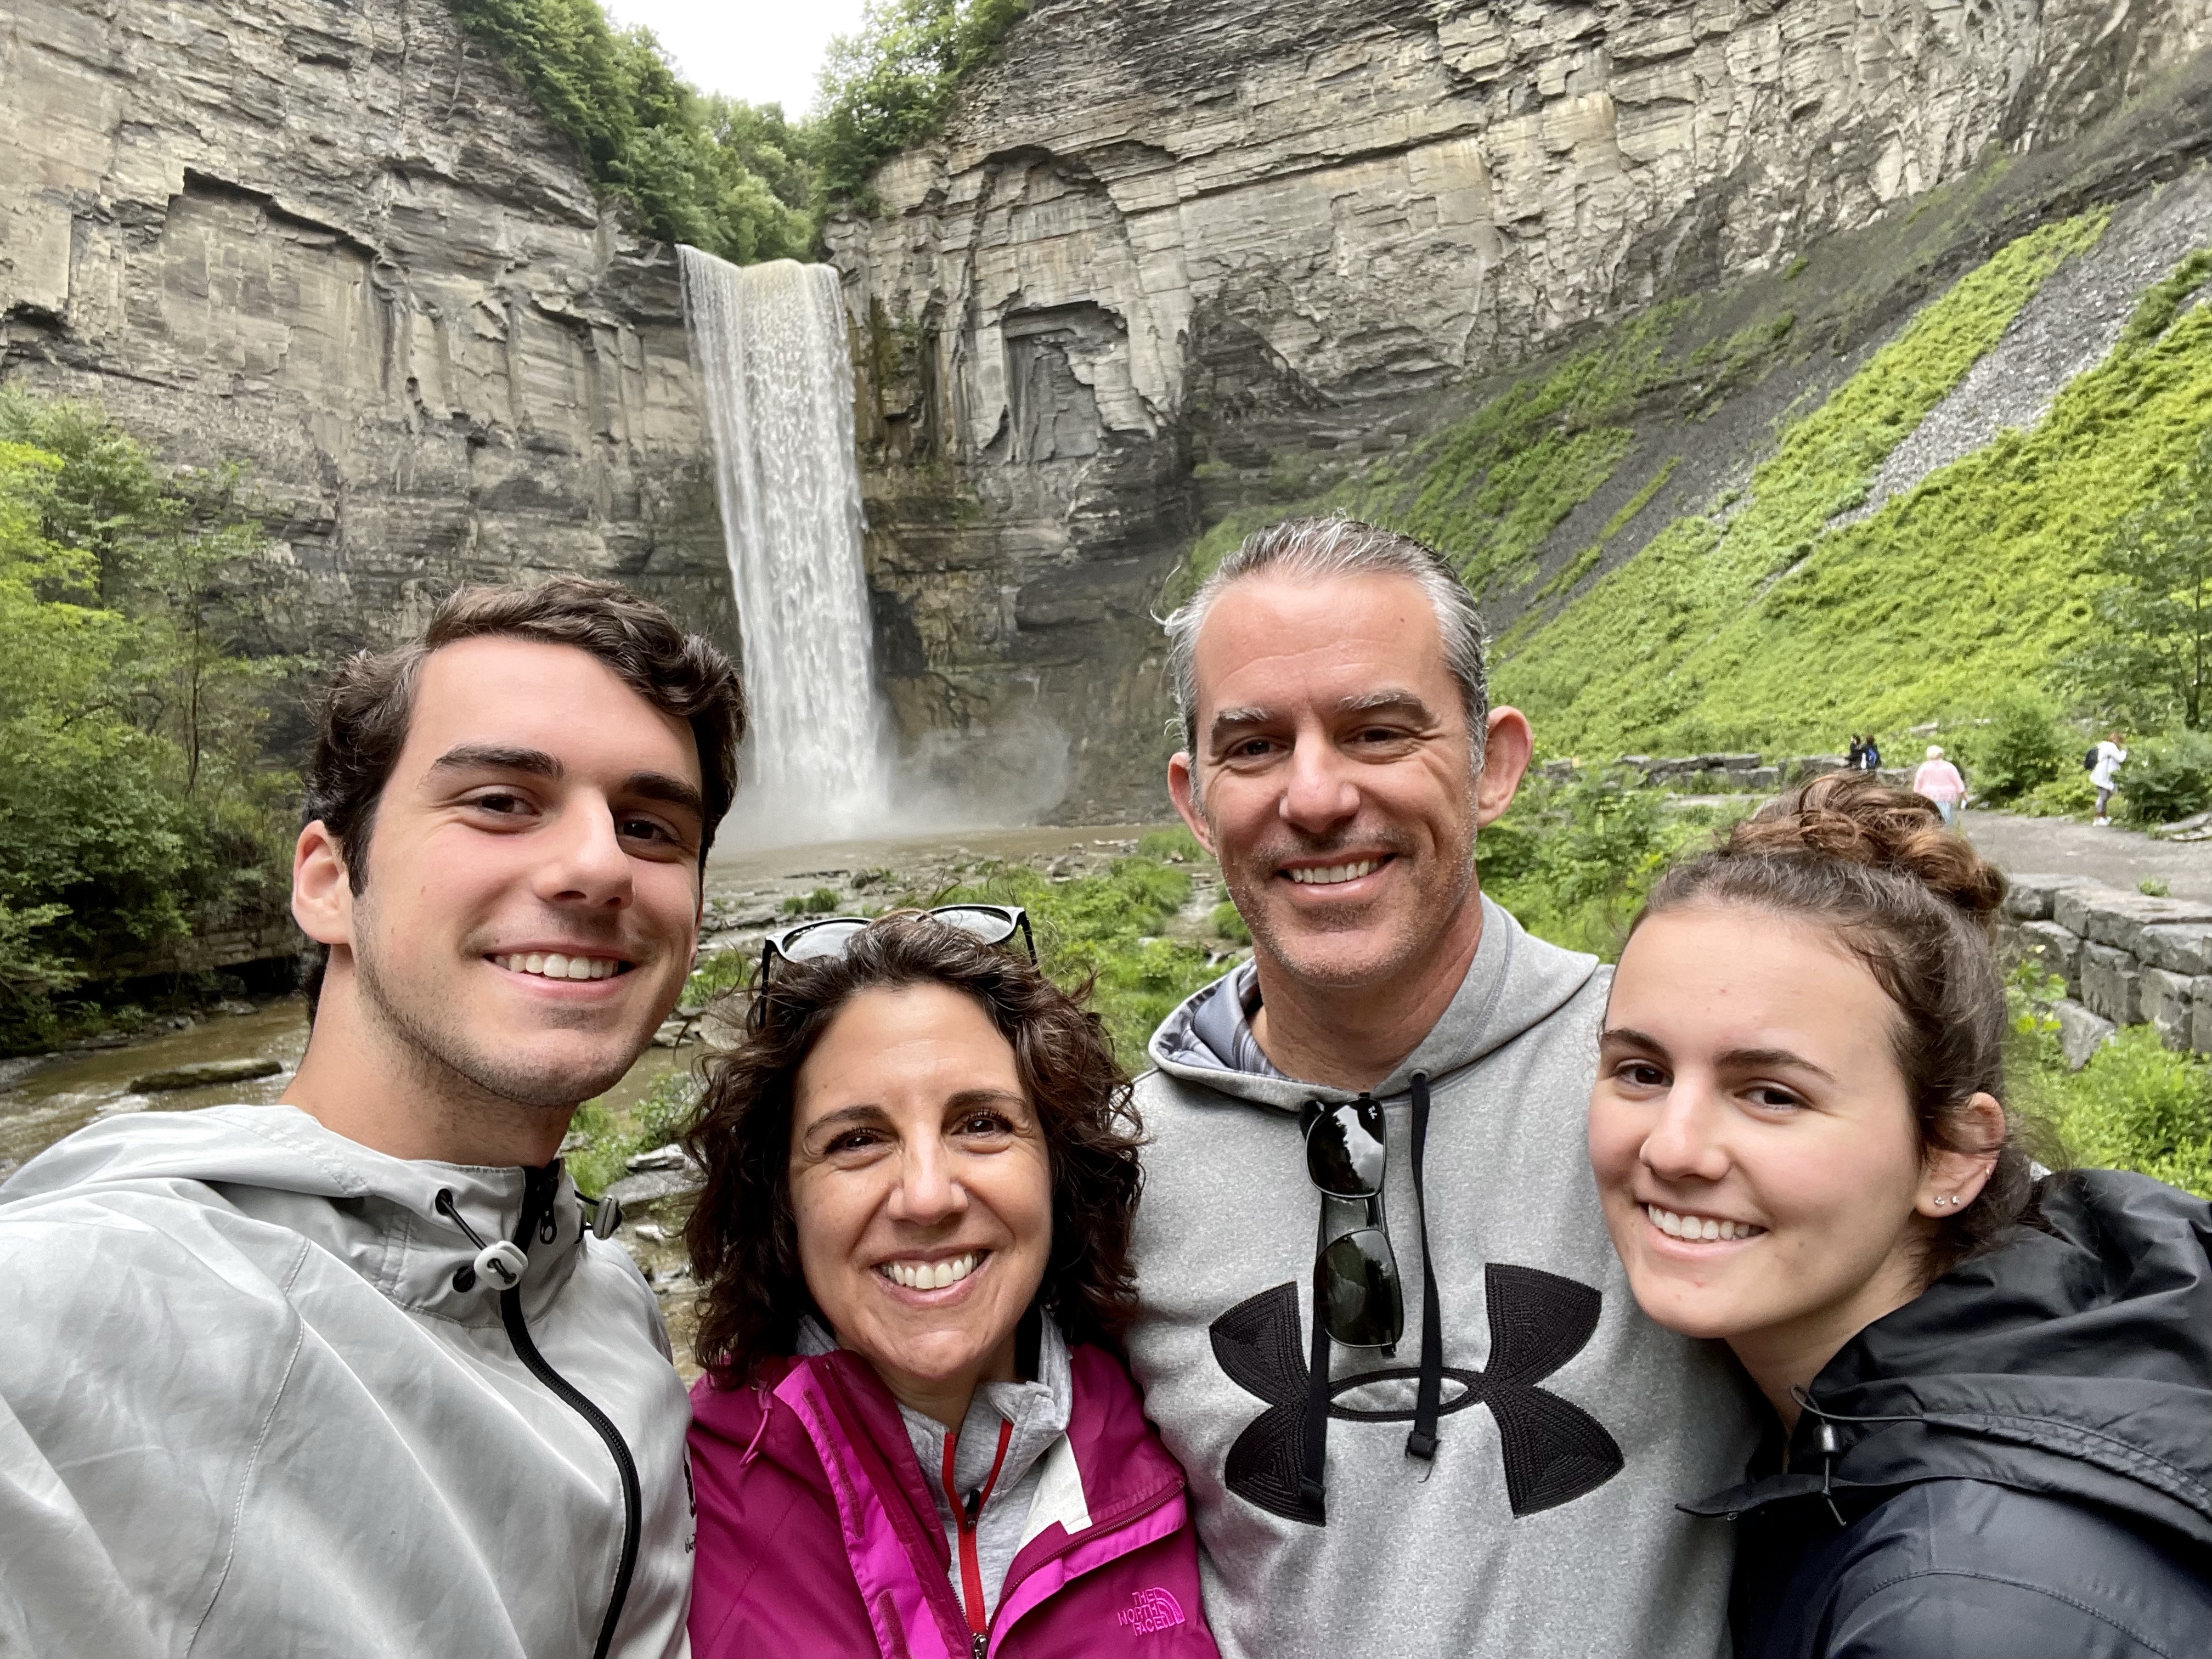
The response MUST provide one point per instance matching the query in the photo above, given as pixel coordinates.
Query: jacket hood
(377, 1213)
(1514, 983)
(2074, 1361)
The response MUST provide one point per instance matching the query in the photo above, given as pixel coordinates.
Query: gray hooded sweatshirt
(1545, 1525)
(245, 1409)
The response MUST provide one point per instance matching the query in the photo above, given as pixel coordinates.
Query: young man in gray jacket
(1383, 1327)
(351, 1376)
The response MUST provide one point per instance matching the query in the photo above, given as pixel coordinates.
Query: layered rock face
(1161, 240)
(338, 242)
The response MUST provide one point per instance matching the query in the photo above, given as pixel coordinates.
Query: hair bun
(1855, 819)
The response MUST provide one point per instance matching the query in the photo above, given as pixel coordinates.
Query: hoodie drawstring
(1830, 1443)
(753, 1446)
(1428, 1404)
(498, 1264)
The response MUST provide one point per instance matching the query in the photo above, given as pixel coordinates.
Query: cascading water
(770, 344)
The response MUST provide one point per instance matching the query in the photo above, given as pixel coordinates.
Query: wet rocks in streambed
(203, 1074)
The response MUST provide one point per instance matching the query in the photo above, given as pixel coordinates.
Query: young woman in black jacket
(1992, 1394)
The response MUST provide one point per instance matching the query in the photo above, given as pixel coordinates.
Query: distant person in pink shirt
(1939, 781)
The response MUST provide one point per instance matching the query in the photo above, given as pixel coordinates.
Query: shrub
(1175, 846)
(819, 902)
(2021, 748)
(604, 1138)
(1573, 859)
(1228, 923)
(2138, 1105)
(2168, 777)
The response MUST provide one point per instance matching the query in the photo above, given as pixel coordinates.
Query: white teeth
(554, 965)
(929, 1275)
(1334, 873)
(1698, 1227)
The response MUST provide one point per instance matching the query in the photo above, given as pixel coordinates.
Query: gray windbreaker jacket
(244, 1409)
(1546, 1526)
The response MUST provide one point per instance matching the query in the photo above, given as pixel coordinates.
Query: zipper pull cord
(965, 1515)
(498, 1264)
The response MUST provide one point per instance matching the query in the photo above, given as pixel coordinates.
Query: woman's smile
(932, 1282)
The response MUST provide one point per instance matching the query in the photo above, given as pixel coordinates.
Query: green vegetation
(716, 973)
(725, 176)
(2022, 749)
(2148, 658)
(819, 902)
(1769, 628)
(1228, 924)
(2137, 1105)
(2168, 777)
(1109, 929)
(134, 799)
(740, 180)
(891, 85)
(1573, 860)
(604, 1138)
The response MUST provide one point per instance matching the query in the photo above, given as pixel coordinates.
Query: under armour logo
(1151, 1611)
(1554, 1451)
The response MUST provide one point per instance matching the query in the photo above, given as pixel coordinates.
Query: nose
(587, 866)
(929, 1192)
(1318, 793)
(1685, 1144)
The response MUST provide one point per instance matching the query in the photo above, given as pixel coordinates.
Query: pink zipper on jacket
(915, 1612)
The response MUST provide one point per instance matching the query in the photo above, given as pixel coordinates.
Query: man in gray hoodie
(1383, 1327)
(352, 1375)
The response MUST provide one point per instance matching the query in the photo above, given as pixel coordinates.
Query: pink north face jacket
(817, 1536)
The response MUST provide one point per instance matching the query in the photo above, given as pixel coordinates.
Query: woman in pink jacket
(1937, 780)
(915, 1437)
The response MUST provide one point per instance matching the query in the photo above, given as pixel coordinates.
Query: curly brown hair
(743, 1236)
(1916, 905)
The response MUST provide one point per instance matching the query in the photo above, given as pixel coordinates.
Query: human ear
(1505, 753)
(322, 895)
(1183, 790)
(1950, 1180)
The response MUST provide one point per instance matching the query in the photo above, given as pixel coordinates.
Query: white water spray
(769, 341)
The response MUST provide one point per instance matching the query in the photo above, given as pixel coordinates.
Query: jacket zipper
(538, 1188)
(965, 1518)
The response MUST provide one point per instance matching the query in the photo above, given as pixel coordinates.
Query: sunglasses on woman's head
(832, 936)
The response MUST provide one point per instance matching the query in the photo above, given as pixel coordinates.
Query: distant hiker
(1854, 755)
(1986, 1386)
(1439, 1426)
(1939, 781)
(915, 1435)
(1870, 754)
(351, 1375)
(2105, 762)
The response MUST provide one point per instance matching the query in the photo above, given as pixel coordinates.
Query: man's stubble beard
(441, 1050)
(1444, 906)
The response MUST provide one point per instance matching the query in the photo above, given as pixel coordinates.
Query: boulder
(205, 1074)
(2164, 1001)
(2081, 1033)
(2030, 898)
(2179, 947)
(2057, 948)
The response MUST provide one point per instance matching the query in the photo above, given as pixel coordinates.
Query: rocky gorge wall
(1166, 260)
(333, 239)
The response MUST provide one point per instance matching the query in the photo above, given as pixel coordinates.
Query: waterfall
(769, 342)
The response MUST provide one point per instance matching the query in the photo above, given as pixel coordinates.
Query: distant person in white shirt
(2103, 774)
(1939, 781)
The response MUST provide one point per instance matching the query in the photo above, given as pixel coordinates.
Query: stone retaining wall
(2127, 958)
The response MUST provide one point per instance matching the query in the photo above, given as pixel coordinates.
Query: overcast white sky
(765, 52)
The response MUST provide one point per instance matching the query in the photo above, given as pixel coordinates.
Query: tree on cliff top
(721, 175)
(890, 85)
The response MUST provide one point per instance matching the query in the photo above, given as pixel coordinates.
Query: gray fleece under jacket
(1571, 1426)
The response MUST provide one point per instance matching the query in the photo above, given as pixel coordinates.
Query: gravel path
(2122, 857)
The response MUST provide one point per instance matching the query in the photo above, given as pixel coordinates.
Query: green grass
(613, 1137)
(2137, 1105)
(1766, 628)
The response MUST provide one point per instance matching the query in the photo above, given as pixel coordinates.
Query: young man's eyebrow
(497, 757)
(659, 785)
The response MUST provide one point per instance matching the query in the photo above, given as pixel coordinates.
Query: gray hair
(1340, 546)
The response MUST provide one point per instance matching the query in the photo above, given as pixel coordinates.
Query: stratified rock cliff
(336, 241)
(1161, 245)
